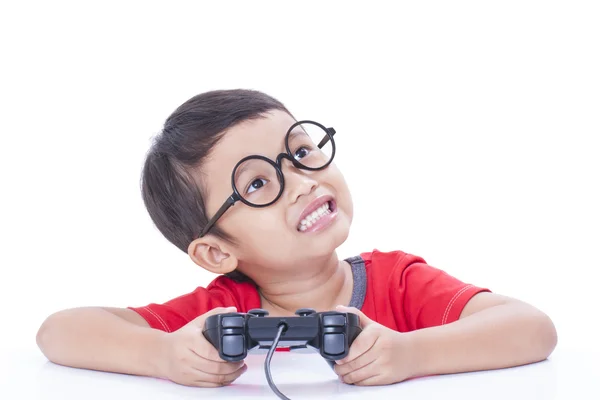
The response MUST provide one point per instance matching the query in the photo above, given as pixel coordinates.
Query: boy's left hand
(378, 356)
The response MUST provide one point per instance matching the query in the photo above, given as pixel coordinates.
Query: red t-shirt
(403, 293)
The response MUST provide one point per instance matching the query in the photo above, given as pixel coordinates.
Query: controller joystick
(258, 312)
(304, 312)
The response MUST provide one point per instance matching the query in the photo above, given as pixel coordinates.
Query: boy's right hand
(189, 359)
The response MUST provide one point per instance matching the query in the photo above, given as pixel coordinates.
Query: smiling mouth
(313, 218)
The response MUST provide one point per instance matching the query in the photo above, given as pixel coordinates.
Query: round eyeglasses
(258, 181)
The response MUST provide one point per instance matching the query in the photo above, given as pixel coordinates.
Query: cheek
(256, 228)
(344, 197)
(347, 196)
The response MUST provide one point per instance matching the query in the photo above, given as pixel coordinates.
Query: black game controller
(330, 332)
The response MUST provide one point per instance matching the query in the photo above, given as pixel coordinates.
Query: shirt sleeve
(432, 297)
(175, 313)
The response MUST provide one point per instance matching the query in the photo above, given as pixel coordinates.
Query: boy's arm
(105, 339)
(492, 332)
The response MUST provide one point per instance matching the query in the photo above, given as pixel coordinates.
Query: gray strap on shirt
(359, 275)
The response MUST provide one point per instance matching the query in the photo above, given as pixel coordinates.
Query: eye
(301, 152)
(256, 184)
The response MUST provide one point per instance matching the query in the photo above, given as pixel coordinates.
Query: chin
(329, 240)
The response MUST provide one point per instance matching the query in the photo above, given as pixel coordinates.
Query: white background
(467, 131)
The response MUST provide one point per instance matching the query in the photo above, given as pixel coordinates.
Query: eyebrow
(297, 132)
(243, 168)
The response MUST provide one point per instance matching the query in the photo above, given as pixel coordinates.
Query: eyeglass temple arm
(326, 138)
(228, 203)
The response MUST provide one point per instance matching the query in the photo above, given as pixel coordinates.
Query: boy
(252, 195)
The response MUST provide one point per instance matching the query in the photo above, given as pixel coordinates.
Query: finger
(362, 318)
(193, 377)
(374, 380)
(217, 379)
(363, 343)
(357, 363)
(203, 348)
(220, 367)
(367, 371)
(199, 321)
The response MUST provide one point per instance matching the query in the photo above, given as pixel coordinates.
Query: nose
(298, 182)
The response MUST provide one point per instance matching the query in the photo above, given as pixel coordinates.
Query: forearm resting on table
(94, 338)
(501, 336)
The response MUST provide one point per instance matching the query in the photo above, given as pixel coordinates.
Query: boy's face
(276, 237)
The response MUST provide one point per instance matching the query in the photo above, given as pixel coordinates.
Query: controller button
(232, 322)
(334, 343)
(334, 320)
(233, 345)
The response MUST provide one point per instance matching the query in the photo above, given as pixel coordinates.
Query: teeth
(313, 217)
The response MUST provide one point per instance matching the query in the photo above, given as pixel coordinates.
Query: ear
(212, 255)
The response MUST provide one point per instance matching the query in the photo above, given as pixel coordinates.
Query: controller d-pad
(334, 320)
(232, 322)
(334, 343)
(233, 345)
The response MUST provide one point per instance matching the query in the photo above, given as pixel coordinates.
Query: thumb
(363, 319)
(199, 321)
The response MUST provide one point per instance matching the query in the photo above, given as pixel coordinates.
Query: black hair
(173, 198)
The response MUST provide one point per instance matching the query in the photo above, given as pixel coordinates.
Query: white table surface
(565, 375)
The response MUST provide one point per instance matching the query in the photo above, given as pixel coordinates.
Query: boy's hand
(378, 356)
(189, 359)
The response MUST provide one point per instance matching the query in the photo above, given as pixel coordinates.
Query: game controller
(331, 333)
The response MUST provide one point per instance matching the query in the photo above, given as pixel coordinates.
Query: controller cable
(282, 328)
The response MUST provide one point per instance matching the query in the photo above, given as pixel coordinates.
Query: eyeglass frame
(235, 196)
